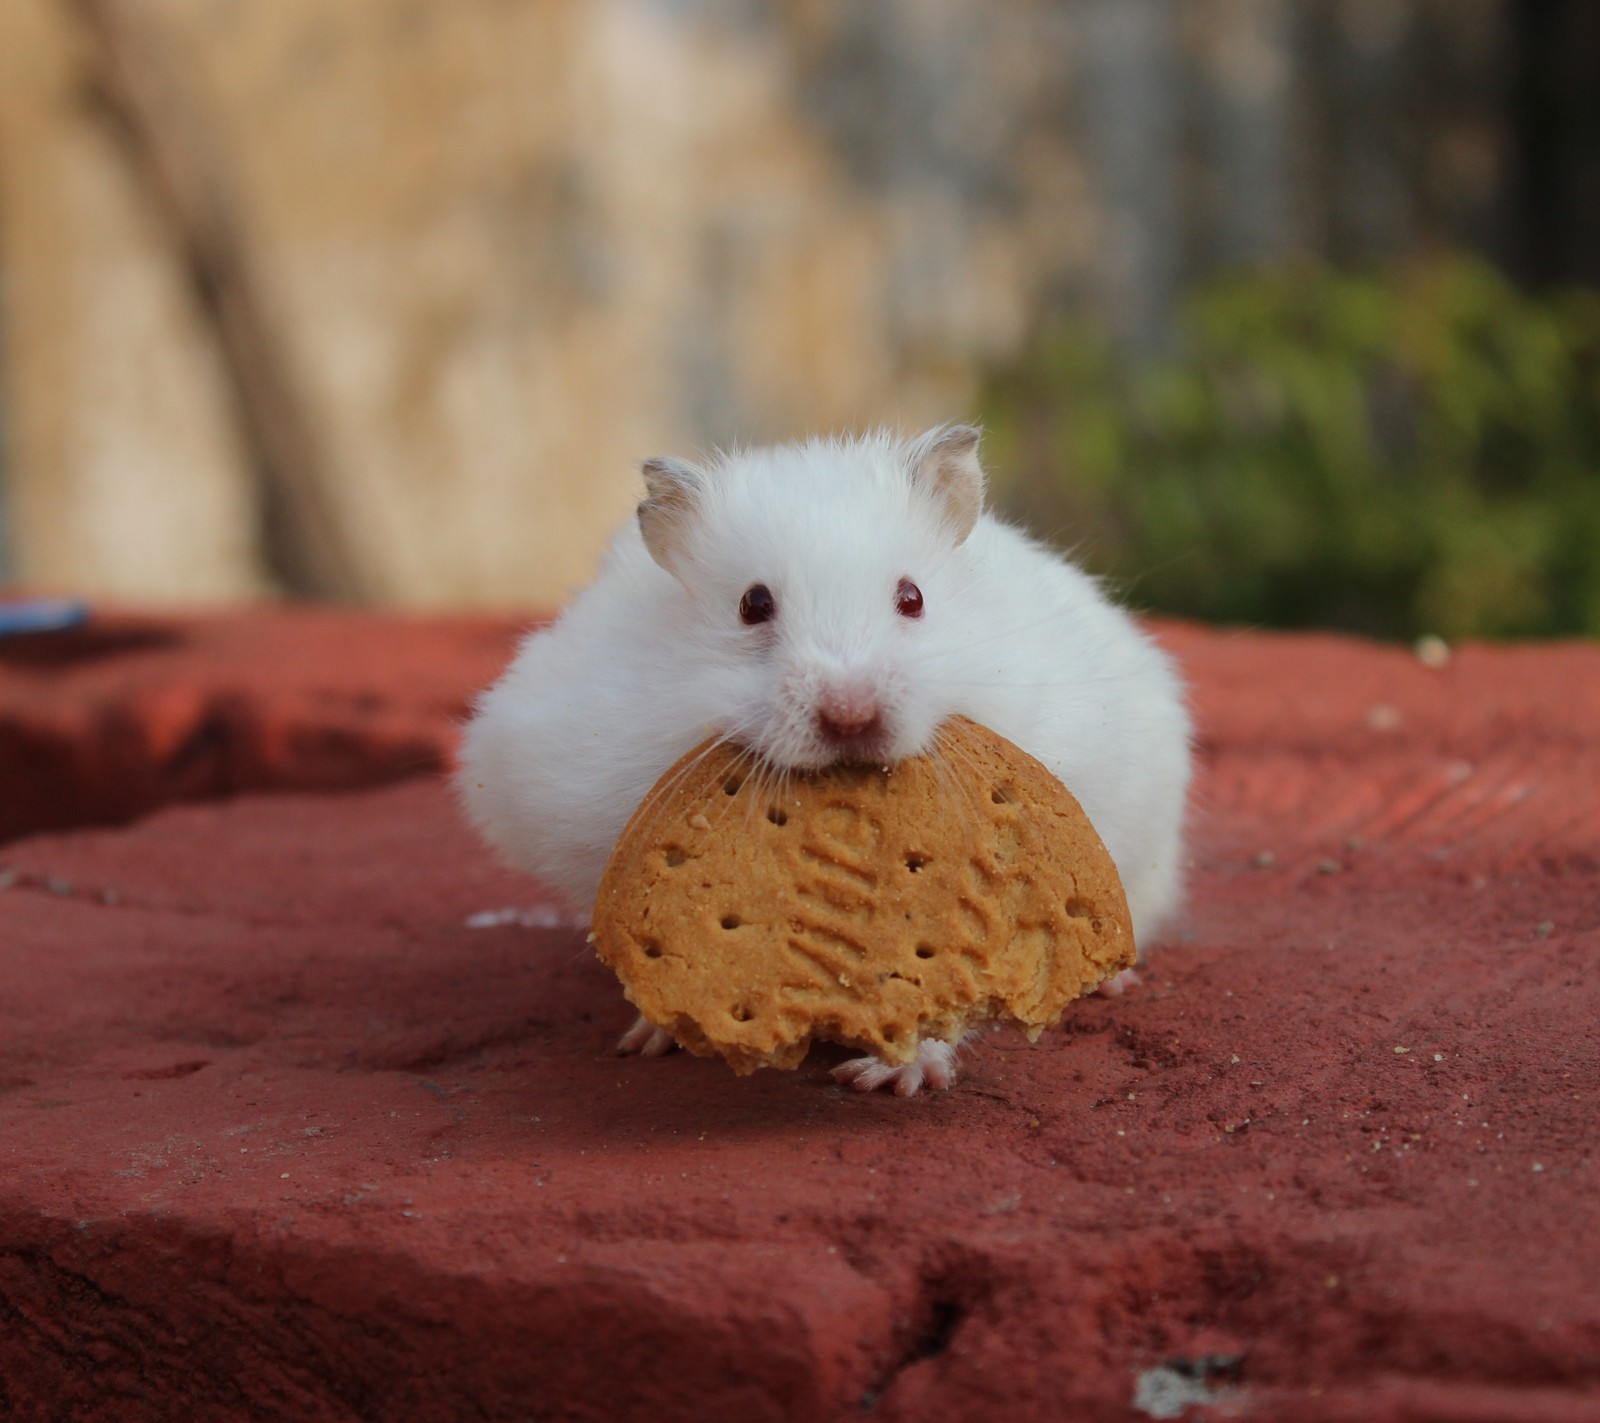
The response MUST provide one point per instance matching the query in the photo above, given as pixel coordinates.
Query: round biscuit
(749, 912)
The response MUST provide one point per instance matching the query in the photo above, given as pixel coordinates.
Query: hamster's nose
(849, 715)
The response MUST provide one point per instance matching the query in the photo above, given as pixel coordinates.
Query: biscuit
(749, 912)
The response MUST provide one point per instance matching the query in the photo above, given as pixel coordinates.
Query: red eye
(758, 604)
(908, 599)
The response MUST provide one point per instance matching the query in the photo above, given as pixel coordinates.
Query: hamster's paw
(934, 1067)
(646, 1039)
(1119, 983)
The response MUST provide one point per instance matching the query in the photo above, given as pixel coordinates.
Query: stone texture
(282, 1137)
(102, 724)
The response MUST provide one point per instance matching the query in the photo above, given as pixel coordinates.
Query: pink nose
(848, 714)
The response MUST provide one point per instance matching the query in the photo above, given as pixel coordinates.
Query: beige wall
(513, 246)
(489, 232)
(124, 463)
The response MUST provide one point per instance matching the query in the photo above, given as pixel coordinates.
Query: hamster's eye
(758, 605)
(908, 599)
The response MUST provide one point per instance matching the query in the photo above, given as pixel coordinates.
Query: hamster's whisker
(758, 784)
(961, 790)
(665, 784)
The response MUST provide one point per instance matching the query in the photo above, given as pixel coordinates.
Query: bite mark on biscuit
(1038, 942)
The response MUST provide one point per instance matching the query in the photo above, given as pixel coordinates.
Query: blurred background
(1283, 312)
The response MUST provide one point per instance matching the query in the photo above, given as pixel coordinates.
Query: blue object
(41, 615)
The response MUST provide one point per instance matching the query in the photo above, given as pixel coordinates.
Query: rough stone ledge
(104, 723)
(282, 1137)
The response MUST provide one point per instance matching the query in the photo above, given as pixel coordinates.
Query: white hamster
(829, 600)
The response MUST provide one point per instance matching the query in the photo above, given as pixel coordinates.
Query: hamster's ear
(674, 489)
(944, 464)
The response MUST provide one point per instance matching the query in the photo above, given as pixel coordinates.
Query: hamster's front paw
(646, 1039)
(934, 1066)
(1119, 983)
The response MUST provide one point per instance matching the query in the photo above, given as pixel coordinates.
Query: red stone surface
(101, 724)
(281, 1137)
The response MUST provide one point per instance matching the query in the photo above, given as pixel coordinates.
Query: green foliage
(1398, 453)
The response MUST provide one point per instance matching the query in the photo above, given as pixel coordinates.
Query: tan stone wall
(504, 243)
(125, 465)
(510, 247)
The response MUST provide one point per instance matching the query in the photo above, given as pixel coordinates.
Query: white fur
(644, 663)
